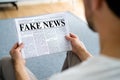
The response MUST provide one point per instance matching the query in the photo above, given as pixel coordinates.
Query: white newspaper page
(43, 34)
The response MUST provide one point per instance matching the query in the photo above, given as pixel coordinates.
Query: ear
(97, 4)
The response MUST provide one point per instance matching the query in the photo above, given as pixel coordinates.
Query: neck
(110, 39)
(110, 48)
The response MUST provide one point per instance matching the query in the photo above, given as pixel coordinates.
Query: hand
(16, 55)
(19, 63)
(78, 47)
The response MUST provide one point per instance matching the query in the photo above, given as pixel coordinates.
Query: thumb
(20, 47)
(68, 38)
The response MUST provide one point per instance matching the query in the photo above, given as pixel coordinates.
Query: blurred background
(38, 7)
(47, 65)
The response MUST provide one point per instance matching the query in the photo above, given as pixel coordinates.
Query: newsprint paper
(43, 34)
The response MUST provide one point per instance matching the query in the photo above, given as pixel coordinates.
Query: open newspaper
(43, 34)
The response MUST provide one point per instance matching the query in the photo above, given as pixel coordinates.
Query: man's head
(103, 16)
(93, 7)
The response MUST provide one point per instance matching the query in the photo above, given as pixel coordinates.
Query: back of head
(114, 5)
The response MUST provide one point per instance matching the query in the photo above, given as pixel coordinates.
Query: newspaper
(43, 34)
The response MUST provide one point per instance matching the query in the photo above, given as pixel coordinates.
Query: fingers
(20, 47)
(73, 35)
(17, 47)
(68, 38)
(16, 54)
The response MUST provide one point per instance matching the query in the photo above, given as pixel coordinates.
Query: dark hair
(114, 5)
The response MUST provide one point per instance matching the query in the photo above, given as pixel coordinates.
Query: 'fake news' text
(42, 25)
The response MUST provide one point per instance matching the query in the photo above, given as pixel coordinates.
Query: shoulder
(92, 69)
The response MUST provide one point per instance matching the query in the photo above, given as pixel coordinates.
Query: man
(103, 16)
